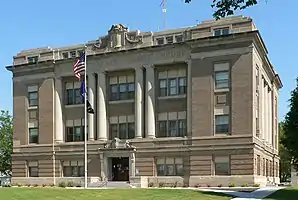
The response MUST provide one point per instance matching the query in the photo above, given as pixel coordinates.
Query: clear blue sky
(31, 23)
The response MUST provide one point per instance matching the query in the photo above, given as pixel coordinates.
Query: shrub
(256, 185)
(220, 185)
(175, 184)
(44, 185)
(232, 185)
(244, 185)
(19, 185)
(208, 185)
(62, 184)
(161, 184)
(35, 185)
(71, 184)
(78, 185)
(28, 185)
(150, 184)
(52, 185)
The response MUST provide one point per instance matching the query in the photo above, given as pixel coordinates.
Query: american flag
(79, 66)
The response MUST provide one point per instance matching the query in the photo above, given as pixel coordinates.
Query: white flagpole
(85, 124)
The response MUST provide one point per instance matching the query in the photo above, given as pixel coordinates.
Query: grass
(290, 193)
(108, 194)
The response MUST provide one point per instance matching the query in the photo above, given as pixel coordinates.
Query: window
(32, 169)
(73, 54)
(221, 79)
(75, 130)
(65, 55)
(33, 114)
(80, 53)
(33, 135)
(169, 39)
(160, 41)
(122, 130)
(32, 60)
(122, 88)
(73, 169)
(172, 126)
(73, 96)
(221, 99)
(222, 166)
(169, 166)
(33, 96)
(178, 38)
(172, 86)
(224, 31)
(258, 165)
(221, 123)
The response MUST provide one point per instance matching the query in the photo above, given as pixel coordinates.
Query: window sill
(221, 90)
(32, 107)
(121, 101)
(222, 134)
(172, 97)
(74, 106)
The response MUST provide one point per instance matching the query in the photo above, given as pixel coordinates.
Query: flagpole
(164, 10)
(85, 124)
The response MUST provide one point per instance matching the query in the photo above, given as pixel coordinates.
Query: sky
(32, 24)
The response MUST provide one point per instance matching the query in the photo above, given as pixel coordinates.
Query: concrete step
(117, 184)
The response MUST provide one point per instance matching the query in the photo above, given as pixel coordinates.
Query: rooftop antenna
(163, 4)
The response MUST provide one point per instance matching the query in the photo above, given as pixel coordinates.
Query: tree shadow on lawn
(284, 194)
(218, 194)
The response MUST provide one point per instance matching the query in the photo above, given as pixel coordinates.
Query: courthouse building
(194, 105)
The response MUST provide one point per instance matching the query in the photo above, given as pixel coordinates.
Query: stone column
(189, 99)
(132, 167)
(102, 111)
(59, 129)
(91, 90)
(139, 102)
(270, 114)
(263, 109)
(266, 112)
(150, 103)
(103, 167)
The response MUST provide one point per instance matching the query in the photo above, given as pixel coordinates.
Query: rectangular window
(222, 124)
(160, 41)
(172, 86)
(32, 59)
(224, 31)
(73, 54)
(178, 38)
(221, 79)
(33, 114)
(32, 169)
(169, 39)
(222, 166)
(33, 98)
(73, 96)
(169, 166)
(121, 91)
(65, 55)
(33, 135)
(122, 130)
(73, 169)
(171, 128)
(75, 131)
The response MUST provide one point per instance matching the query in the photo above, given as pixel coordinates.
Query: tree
(227, 7)
(285, 157)
(5, 142)
(290, 139)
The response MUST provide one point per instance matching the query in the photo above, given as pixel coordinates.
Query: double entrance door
(120, 169)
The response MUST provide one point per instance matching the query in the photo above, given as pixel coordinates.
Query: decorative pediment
(116, 143)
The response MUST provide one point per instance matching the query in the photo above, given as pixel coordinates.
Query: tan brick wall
(200, 165)
(19, 168)
(145, 165)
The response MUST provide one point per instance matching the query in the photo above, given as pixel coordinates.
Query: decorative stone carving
(116, 28)
(117, 143)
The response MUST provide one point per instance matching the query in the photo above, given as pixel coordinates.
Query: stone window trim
(122, 127)
(221, 30)
(221, 165)
(75, 130)
(169, 166)
(32, 169)
(171, 124)
(33, 59)
(121, 88)
(160, 41)
(73, 168)
(222, 98)
(72, 94)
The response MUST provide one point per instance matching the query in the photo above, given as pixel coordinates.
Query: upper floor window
(169, 166)
(73, 168)
(33, 135)
(222, 31)
(75, 130)
(65, 55)
(221, 79)
(32, 169)
(33, 96)
(169, 39)
(32, 59)
(179, 38)
(122, 88)
(172, 124)
(172, 82)
(122, 127)
(73, 95)
(73, 54)
(222, 166)
(160, 41)
(222, 124)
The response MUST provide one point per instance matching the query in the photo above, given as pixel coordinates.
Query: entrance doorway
(120, 169)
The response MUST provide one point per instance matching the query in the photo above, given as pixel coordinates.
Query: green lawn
(290, 193)
(108, 194)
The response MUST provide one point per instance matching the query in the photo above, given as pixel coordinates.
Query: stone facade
(188, 125)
